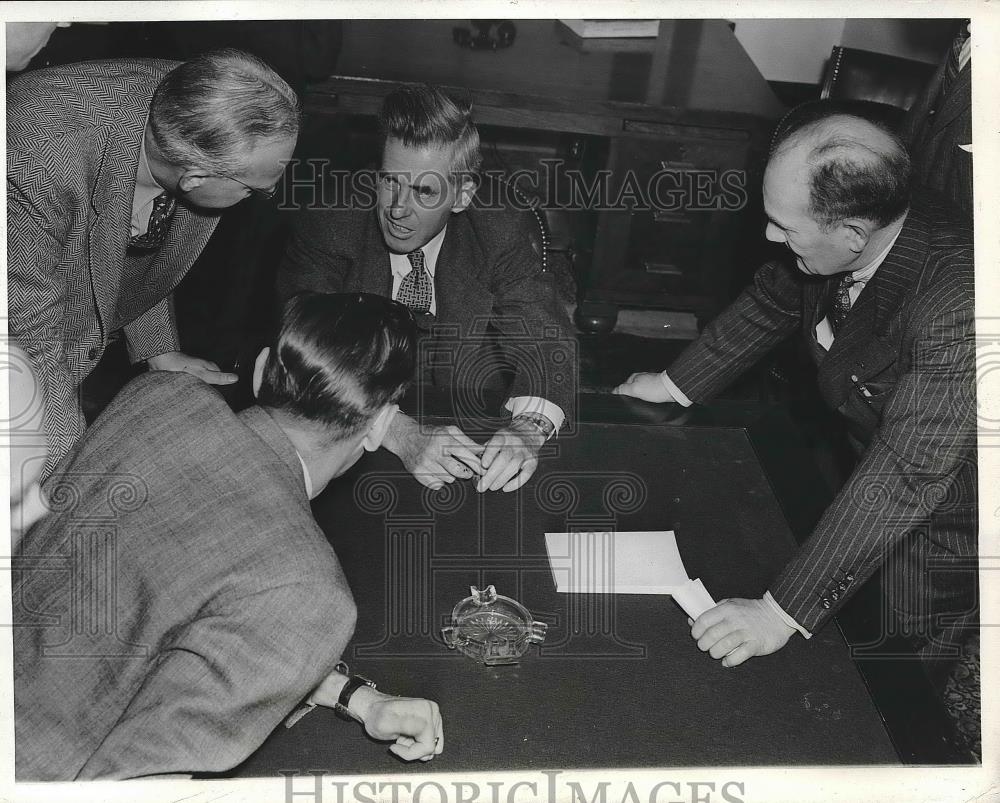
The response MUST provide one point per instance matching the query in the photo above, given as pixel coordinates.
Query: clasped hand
(436, 455)
(738, 629)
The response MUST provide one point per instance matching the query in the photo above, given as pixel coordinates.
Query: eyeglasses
(256, 190)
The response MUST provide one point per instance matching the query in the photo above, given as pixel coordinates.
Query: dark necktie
(159, 223)
(840, 304)
(415, 291)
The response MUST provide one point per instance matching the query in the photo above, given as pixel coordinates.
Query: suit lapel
(459, 293)
(880, 299)
(956, 100)
(111, 202)
(375, 275)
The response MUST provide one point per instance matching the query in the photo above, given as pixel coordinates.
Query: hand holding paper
(737, 629)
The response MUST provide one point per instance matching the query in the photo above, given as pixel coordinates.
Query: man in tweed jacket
(896, 361)
(116, 171)
(180, 599)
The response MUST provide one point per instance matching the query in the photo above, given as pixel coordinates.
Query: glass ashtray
(492, 629)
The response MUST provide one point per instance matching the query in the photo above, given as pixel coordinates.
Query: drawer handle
(662, 268)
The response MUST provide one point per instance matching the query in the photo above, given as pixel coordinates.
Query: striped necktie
(416, 291)
(164, 205)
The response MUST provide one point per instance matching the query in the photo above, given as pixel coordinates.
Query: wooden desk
(618, 682)
(689, 101)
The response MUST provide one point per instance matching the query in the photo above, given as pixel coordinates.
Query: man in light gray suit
(180, 599)
(116, 173)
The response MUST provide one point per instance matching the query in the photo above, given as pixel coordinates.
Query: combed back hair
(212, 110)
(422, 115)
(865, 175)
(338, 359)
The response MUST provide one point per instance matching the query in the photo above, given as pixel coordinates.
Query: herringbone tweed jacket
(73, 138)
(902, 373)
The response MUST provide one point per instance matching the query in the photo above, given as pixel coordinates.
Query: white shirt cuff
(535, 404)
(674, 391)
(788, 620)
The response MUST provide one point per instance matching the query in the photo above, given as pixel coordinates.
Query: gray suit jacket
(489, 286)
(73, 137)
(909, 340)
(179, 601)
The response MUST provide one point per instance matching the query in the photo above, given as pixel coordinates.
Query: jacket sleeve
(226, 681)
(154, 332)
(768, 312)
(912, 468)
(525, 304)
(37, 229)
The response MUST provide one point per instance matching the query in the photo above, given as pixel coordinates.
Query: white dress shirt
(146, 191)
(399, 264)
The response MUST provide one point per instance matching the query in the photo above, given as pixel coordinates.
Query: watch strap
(354, 682)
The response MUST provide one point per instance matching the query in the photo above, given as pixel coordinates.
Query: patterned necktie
(159, 223)
(840, 304)
(415, 291)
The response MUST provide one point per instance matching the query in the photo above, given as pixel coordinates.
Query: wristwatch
(354, 682)
(539, 421)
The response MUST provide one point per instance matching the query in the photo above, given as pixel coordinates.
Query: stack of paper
(624, 563)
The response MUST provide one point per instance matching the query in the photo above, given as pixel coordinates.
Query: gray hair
(212, 110)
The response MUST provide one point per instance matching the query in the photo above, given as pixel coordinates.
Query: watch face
(492, 629)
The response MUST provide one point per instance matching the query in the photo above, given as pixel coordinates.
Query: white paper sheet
(615, 562)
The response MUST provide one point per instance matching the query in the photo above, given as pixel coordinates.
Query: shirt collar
(305, 476)
(144, 181)
(400, 264)
(864, 275)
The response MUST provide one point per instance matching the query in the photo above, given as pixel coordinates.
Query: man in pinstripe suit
(882, 290)
(116, 172)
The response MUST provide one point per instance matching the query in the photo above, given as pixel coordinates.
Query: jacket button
(94, 353)
(842, 587)
(825, 602)
(849, 578)
(835, 594)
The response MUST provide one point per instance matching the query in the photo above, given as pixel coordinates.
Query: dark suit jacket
(489, 289)
(73, 137)
(933, 128)
(179, 601)
(909, 340)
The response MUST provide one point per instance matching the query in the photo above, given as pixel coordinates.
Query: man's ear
(379, 426)
(191, 180)
(258, 369)
(466, 192)
(857, 233)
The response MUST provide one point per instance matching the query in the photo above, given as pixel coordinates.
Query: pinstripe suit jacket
(909, 340)
(488, 281)
(73, 137)
(179, 601)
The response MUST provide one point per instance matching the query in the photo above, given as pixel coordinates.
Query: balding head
(836, 185)
(854, 167)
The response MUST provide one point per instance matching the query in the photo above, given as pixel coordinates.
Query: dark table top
(618, 682)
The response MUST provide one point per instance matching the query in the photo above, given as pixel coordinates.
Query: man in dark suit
(882, 290)
(938, 129)
(467, 272)
(116, 171)
(180, 599)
